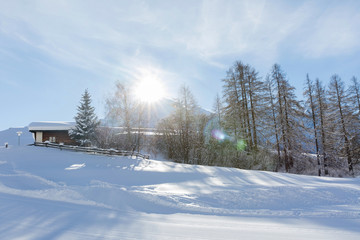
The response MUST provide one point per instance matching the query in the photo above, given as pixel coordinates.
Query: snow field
(53, 194)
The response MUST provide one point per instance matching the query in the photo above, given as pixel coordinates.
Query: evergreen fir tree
(86, 122)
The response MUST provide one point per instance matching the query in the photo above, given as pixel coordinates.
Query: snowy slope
(10, 136)
(53, 194)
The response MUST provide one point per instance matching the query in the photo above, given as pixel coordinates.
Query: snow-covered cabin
(56, 132)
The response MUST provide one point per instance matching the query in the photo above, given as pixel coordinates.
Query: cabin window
(52, 139)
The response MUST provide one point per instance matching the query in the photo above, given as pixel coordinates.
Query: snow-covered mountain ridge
(53, 194)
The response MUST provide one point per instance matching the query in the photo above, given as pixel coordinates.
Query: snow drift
(53, 194)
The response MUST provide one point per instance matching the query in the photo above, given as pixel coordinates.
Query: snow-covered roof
(51, 126)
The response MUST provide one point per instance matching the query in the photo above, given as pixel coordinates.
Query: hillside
(53, 194)
(10, 136)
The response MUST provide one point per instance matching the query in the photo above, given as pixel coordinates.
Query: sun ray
(149, 90)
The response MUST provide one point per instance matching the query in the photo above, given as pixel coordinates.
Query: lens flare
(213, 130)
(241, 145)
(218, 134)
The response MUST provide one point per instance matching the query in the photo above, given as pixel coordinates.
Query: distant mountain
(154, 113)
(10, 136)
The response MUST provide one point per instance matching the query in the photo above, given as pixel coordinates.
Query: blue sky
(50, 51)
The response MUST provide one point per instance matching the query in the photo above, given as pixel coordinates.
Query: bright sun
(149, 90)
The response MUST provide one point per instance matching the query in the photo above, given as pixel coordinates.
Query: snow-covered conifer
(86, 122)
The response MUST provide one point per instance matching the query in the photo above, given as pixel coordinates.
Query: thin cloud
(101, 36)
(333, 31)
(233, 28)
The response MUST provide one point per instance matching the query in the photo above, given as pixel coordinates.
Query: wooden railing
(92, 150)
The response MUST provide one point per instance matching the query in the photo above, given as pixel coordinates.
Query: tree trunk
(282, 124)
(275, 125)
(319, 91)
(312, 106)
(346, 140)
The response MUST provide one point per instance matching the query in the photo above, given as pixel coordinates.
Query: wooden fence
(92, 150)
